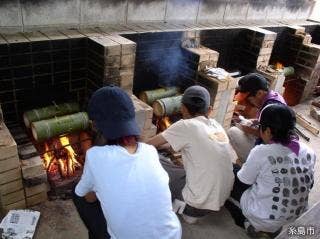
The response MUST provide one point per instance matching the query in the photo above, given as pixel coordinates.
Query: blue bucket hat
(113, 112)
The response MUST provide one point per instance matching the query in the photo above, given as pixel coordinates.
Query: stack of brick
(275, 79)
(111, 60)
(197, 59)
(34, 175)
(144, 114)
(11, 187)
(307, 61)
(255, 48)
(222, 95)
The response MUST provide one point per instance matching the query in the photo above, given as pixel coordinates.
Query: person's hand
(90, 197)
(250, 130)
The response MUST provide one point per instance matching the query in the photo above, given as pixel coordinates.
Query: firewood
(45, 129)
(49, 112)
(307, 125)
(152, 95)
(315, 103)
(167, 106)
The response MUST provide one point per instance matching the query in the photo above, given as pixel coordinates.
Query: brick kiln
(49, 68)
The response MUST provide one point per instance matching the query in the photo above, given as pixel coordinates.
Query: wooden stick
(315, 103)
(307, 125)
(302, 134)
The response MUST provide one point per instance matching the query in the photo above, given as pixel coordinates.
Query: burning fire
(278, 66)
(61, 158)
(163, 123)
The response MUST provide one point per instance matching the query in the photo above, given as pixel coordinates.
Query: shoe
(252, 233)
(189, 219)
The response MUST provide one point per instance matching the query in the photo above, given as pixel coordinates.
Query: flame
(163, 123)
(47, 156)
(62, 159)
(72, 162)
(278, 66)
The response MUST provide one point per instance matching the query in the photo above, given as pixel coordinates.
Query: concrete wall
(316, 12)
(23, 15)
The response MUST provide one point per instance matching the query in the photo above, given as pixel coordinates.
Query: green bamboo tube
(45, 129)
(49, 112)
(151, 96)
(167, 106)
(288, 71)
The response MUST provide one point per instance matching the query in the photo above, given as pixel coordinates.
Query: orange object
(240, 96)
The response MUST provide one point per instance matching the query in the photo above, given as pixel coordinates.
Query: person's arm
(251, 168)
(85, 187)
(157, 141)
(250, 130)
(90, 197)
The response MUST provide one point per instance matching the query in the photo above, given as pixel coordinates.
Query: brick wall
(11, 188)
(225, 42)
(158, 58)
(255, 48)
(35, 73)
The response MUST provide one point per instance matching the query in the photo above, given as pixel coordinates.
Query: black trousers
(92, 217)
(236, 193)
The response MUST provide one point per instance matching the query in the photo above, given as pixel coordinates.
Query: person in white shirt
(123, 192)
(278, 176)
(206, 178)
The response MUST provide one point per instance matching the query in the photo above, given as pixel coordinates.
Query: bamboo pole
(151, 96)
(167, 106)
(49, 112)
(45, 129)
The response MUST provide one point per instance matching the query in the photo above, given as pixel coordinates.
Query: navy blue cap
(252, 82)
(113, 112)
(198, 96)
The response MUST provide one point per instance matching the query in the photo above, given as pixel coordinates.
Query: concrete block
(12, 197)
(17, 205)
(9, 163)
(15, 38)
(36, 180)
(102, 11)
(10, 175)
(128, 60)
(8, 147)
(112, 61)
(30, 191)
(139, 11)
(36, 199)
(11, 187)
(10, 13)
(182, 10)
(32, 167)
(27, 151)
(111, 48)
(59, 12)
(211, 11)
(127, 46)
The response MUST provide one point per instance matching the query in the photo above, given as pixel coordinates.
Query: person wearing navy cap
(206, 178)
(123, 192)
